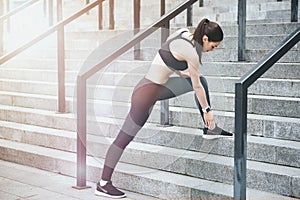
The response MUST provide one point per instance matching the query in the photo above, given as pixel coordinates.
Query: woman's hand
(209, 120)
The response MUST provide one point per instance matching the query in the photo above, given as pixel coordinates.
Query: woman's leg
(177, 86)
(143, 98)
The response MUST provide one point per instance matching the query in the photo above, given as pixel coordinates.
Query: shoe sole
(212, 137)
(98, 193)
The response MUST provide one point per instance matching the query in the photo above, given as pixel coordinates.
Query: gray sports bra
(168, 57)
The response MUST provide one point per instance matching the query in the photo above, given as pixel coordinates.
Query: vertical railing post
(162, 7)
(50, 10)
(8, 19)
(189, 17)
(61, 61)
(45, 8)
(294, 11)
(1, 28)
(240, 142)
(137, 26)
(201, 4)
(241, 30)
(111, 14)
(81, 134)
(100, 15)
(87, 2)
(165, 32)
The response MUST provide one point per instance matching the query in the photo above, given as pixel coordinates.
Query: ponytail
(211, 29)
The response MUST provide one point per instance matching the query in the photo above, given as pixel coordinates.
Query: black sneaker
(108, 190)
(215, 133)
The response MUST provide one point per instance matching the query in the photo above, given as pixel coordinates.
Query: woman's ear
(205, 39)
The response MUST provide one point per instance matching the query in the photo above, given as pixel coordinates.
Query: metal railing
(241, 90)
(100, 14)
(294, 10)
(18, 9)
(242, 25)
(59, 28)
(8, 15)
(164, 114)
(84, 76)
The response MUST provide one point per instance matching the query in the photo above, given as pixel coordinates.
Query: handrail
(18, 9)
(8, 15)
(242, 25)
(48, 32)
(83, 76)
(241, 90)
(137, 38)
(59, 28)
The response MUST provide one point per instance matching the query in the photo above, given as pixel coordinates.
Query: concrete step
(41, 184)
(36, 90)
(58, 158)
(255, 42)
(257, 104)
(64, 162)
(42, 69)
(81, 45)
(91, 41)
(36, 74)
(122, 82)
(223, 12)
(251, 55)
(38, 117)
(263, 86)
(255, 11)
(34, 87)
(238, 69)
(260, 125)
(267, 150)
(73, 54)
(252, 31)
(41, 63)
(284, 28)
(279, 152)
(100, 35)
(230, 42)
(113, 108)
(43, 102)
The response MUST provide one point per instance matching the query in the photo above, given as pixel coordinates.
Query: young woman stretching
(182, 51)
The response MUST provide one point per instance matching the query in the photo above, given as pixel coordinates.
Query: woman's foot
(108, 190)
(217, 132)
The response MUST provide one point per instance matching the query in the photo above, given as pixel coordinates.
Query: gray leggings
(144, 96)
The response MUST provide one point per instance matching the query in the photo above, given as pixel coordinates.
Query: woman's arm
(182, 50)
(183, 74)
(201, 96)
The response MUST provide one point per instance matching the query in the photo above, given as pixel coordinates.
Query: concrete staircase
(165, 162)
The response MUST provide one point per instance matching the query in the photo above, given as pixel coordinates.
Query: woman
(182, 51)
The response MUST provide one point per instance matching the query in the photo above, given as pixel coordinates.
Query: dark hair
(211, 29)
